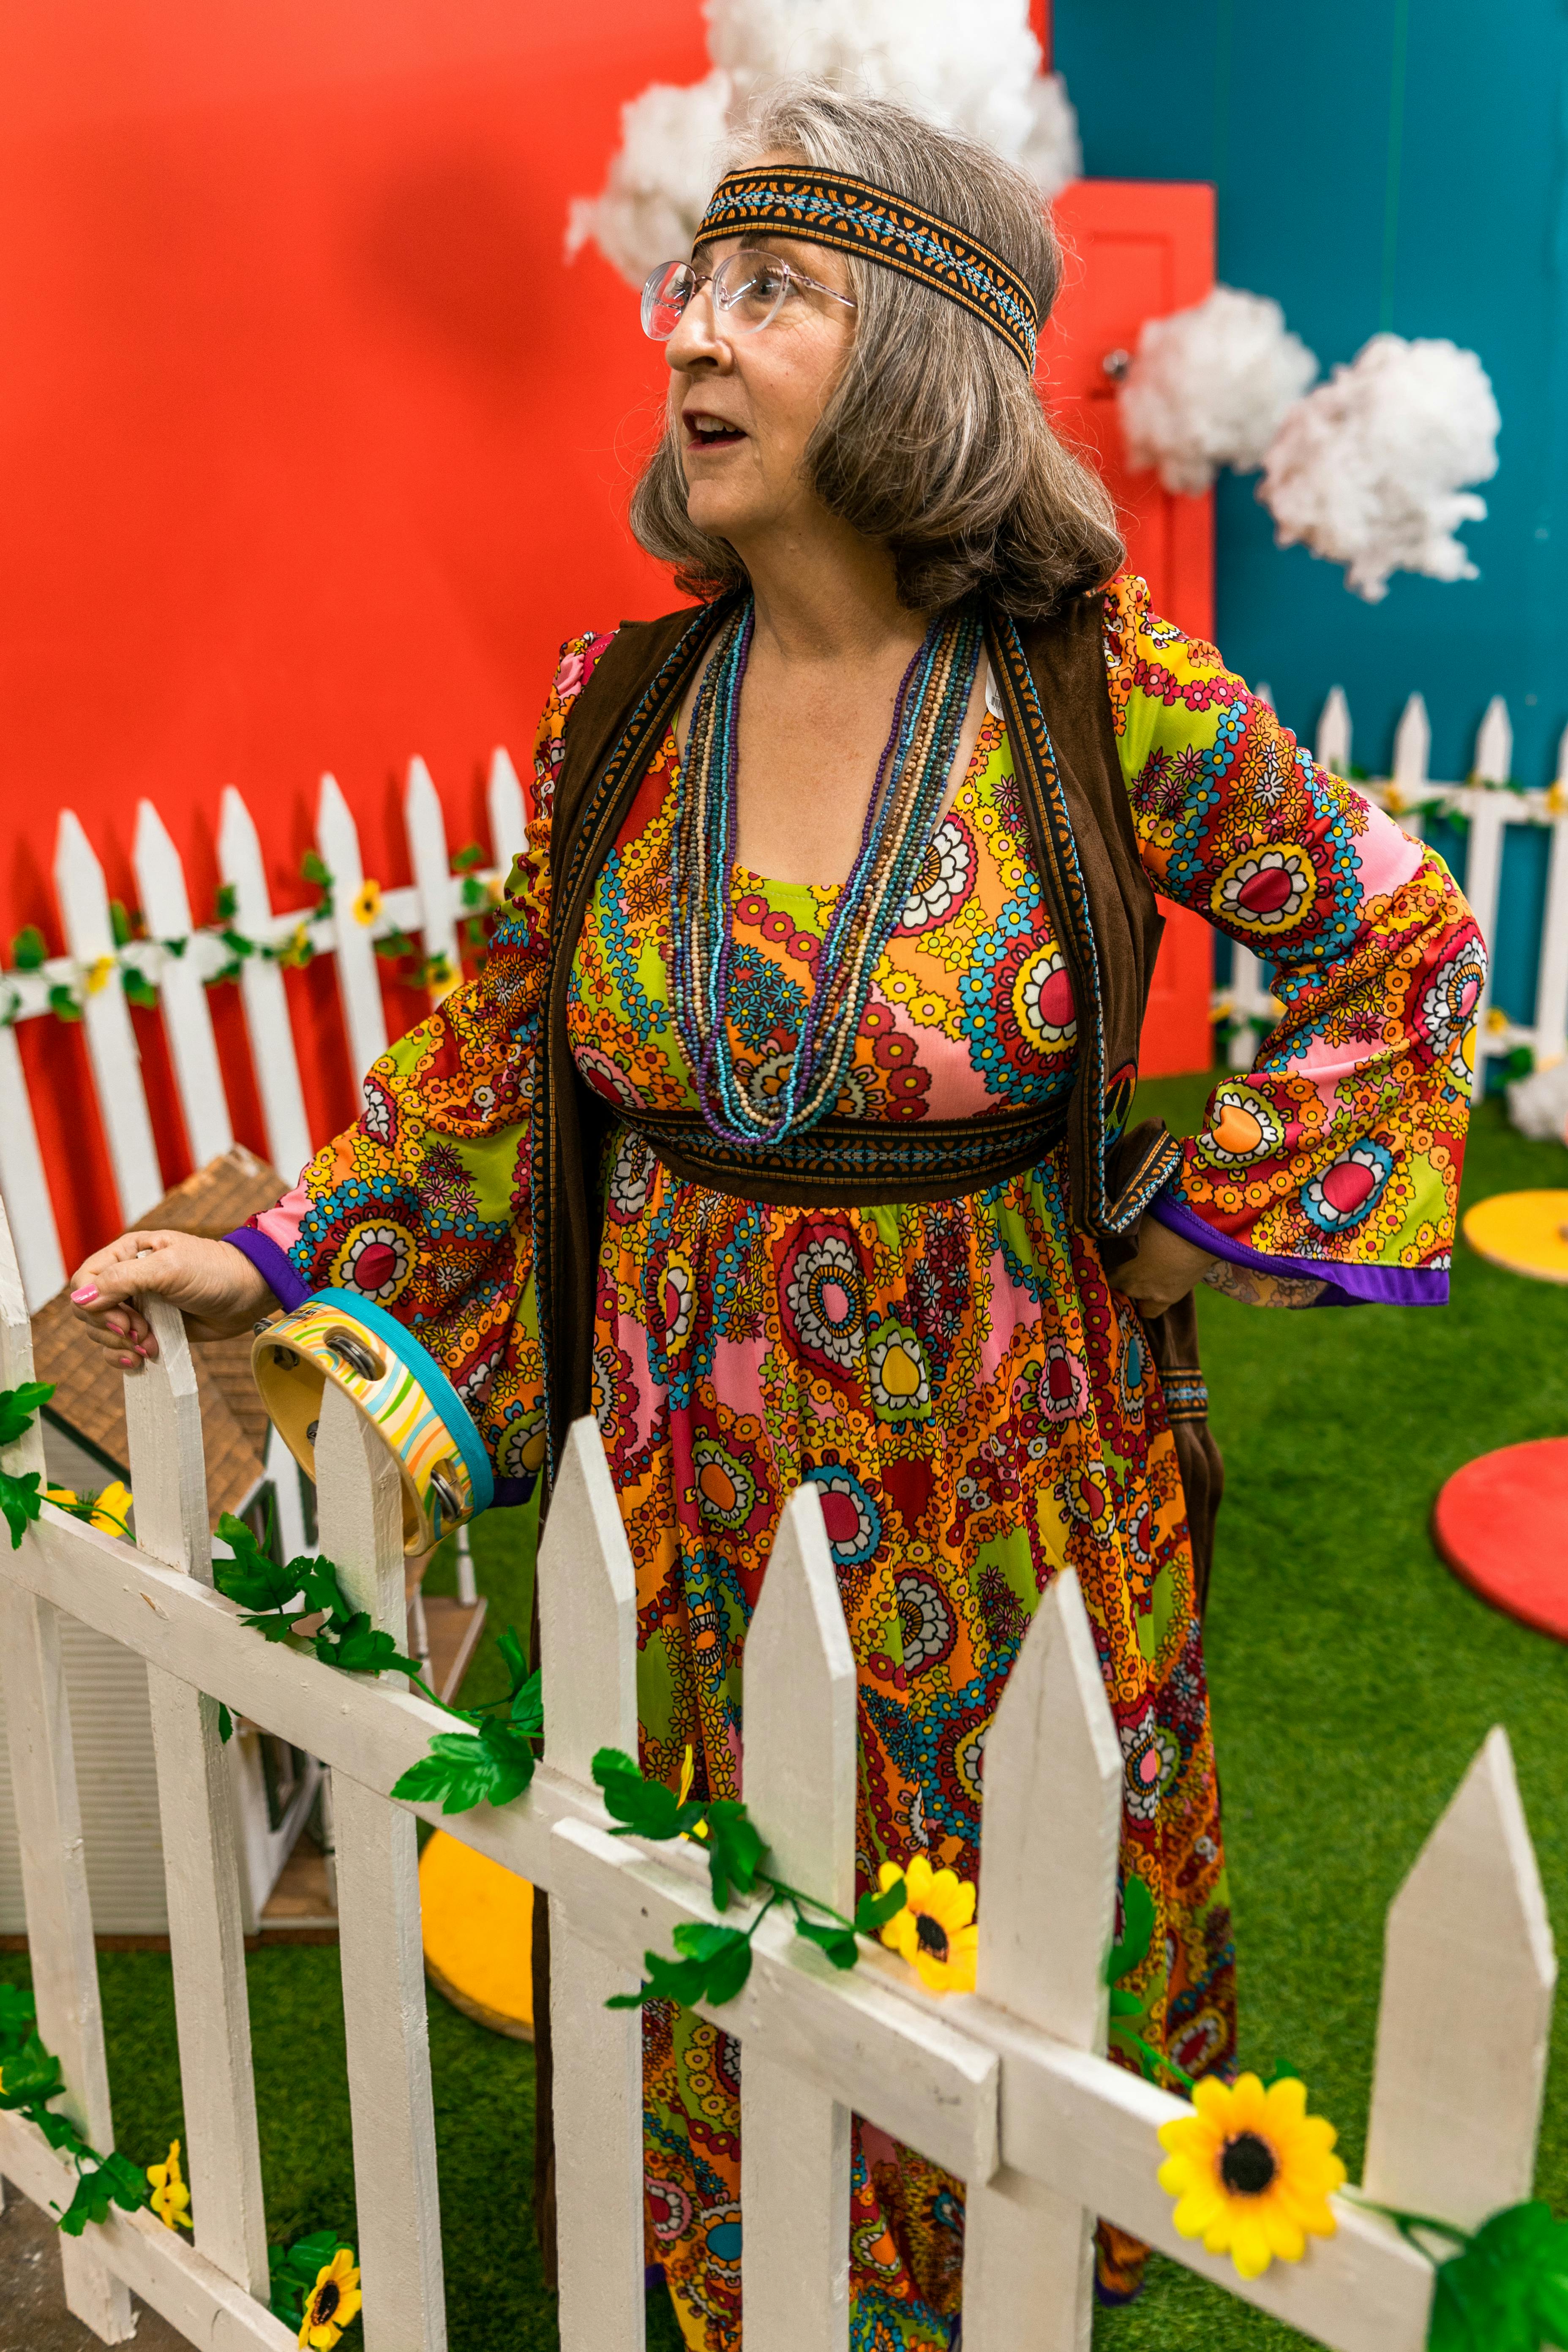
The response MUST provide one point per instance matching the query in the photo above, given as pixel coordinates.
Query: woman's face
(743, 406)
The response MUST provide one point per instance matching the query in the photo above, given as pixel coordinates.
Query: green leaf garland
(20, 1499)
(29, 2078)
(714, 1962)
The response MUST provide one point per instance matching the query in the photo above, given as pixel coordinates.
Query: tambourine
(402, 1392)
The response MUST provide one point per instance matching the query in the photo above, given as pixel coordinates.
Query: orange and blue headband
(829, 208)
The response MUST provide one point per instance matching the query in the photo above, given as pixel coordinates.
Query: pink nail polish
(128, 1363)
(85, 1296)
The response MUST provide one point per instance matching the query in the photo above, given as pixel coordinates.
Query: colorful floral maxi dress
(974, 1400)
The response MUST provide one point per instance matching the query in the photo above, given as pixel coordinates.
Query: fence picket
(196, 1808)
(1048, 1859)
(49, 1824)
(358, 982)
(1332, 750)
(799, 1763)
(1552, 986)
(1494, 744)
(265, 998)
(1465, 2016)
(166, 906)
(23, 1187)
(385, 2023)
(427, 829)
(106, 1020)
(508, 824)
(587, 1639)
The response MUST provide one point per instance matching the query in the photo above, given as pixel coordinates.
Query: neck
(826, 595)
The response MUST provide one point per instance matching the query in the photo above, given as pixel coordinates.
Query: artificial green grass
(1353, 1679)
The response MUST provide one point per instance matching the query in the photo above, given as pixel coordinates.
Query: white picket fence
(1008, 2087)
(1488, 808)
(92, 969)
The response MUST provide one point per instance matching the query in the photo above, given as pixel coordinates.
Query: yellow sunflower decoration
(332, 2303)
(1251, 2171)
(367, 902)
(935, 1930)
(171, 2200)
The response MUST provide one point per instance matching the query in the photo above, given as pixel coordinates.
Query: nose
(696, 342)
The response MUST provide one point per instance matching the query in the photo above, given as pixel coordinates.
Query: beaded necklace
(900, 816)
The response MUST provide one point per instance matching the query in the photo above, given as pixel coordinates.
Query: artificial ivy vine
(29, 2080)
(20, 1498)
(493, 1760)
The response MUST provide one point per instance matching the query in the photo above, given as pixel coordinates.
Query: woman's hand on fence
(214, 1285)
(1164, 1268)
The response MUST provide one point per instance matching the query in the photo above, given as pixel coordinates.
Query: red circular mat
(1501, 1523)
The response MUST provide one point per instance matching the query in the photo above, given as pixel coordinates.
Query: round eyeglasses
(749, 289)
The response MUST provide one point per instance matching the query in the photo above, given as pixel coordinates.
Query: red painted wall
(312, 445)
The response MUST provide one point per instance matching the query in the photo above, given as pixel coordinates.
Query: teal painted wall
(1399, 164)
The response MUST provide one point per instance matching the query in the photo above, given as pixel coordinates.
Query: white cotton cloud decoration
(662, 176)
(1209, 386)
(1369, 469)
(976, 68)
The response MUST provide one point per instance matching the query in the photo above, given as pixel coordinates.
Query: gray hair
(934, 441)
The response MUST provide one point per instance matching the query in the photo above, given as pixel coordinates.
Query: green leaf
(873, 1911)
(28, 951)
(735, 1848)
(315, 869)
(253, 1578)
(1137, 1931)
(94, 2196)
(465, 860)
(119, 922)
(15, 2018)
(837, 1941)
(32, 2073)
(58, 2130)
(361, 1648)
(465, 1768)
(129, 2182)
(227, 903)
(318, 1584)
(139, 989)
(62, 1004)
(225, 1723)
(21, 1502)
(528, 1707)
(646, 1809)
(17, 1407)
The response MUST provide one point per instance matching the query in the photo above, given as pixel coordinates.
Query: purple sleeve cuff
(1344, 1286)
(271, 1264)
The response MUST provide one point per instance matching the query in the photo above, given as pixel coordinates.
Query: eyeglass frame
(709, 278)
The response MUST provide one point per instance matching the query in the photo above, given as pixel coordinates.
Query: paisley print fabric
(973, 1402)
(1338, 1156)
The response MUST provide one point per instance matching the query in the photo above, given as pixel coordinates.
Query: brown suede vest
(1052, 680)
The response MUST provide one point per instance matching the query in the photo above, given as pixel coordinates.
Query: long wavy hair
(933, 440)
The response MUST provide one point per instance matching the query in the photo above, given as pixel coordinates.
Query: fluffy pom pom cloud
(1209, 387)
(976, 68)
(1368, 470)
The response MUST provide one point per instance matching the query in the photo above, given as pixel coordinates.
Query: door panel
(1138, 249)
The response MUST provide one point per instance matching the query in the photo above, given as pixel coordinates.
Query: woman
(784, 1123)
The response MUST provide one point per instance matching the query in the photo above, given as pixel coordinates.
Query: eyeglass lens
(747, 288)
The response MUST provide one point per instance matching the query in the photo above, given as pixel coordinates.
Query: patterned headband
(827, 208)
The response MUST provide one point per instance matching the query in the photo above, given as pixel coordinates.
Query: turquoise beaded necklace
(901, 817)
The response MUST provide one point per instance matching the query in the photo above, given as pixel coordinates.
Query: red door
(1138, 249)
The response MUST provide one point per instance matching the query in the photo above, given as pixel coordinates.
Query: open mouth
(706, 432)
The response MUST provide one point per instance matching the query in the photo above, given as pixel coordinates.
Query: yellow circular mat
(479, 1936)
(1526, 1231)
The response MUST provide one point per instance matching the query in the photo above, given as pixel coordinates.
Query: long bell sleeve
(423, 1205)
(1331, 1167)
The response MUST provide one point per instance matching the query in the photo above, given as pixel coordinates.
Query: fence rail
(1488, 803)
(1008, 2087)
(179, 958)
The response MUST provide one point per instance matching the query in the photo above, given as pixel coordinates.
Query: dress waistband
(855, 1162)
